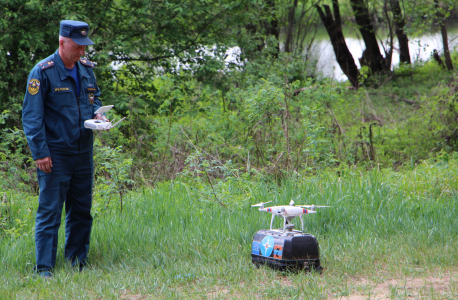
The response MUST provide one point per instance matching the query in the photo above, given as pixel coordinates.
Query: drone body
(288, 212)
(286, 247)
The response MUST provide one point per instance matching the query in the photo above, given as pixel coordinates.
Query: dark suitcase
(285, 250)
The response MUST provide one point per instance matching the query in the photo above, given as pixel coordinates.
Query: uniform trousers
(69, 182)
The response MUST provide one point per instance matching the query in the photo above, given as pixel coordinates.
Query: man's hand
(101, 117)
(44, 164)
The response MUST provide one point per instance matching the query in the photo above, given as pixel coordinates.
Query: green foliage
(285, 127)
(435, 122)
(215, 181)
(24, 40)
(414, 113)
(287, 68)
(426, 15)
(156, 38)
(160, 35)
(15, 162)
(17, 228)
(112, 177)
(364, 74)
(16, 214)
(163, 67)
(263, 101)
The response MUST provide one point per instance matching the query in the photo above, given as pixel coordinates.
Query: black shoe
(45, 274)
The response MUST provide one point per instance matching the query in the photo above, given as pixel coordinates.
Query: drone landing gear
(287, 225)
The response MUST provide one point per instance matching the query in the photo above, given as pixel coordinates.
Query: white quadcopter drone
(288, 212)
(96, 124)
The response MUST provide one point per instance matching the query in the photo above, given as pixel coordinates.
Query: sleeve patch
(46, 64)
(33, 87)
(87, 63)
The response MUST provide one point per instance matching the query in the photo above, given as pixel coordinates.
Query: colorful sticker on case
(267, 246)
(278, 252)
(255, 248)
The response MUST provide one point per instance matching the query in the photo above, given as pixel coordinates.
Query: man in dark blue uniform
(61, 94)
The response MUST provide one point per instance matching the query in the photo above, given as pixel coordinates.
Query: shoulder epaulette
(87, 63)
(46, 64)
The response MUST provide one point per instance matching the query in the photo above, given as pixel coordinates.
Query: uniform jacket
(52, 114)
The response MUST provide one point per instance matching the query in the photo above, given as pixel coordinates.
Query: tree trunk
(448, 59)
(371, 55)
(272, 26)
(289, 32)
(441, 22)
(389, 52)
(438, 59)
(334, 29)
(399, 23)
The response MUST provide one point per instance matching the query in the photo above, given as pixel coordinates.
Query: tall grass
(170, 242)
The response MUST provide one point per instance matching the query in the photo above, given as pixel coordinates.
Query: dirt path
(443, 286)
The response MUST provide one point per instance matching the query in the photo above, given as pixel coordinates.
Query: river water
(420, 48)
(322, 53)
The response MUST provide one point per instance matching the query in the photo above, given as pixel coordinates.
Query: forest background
(266, 112)
(223, 94)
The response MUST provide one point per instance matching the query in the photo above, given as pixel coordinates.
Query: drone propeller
(312, 207)
(261, 205)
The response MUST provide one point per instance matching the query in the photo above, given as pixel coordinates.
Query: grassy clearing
(172, 242)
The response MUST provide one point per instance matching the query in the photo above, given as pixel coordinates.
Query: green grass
(172, 242)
